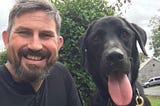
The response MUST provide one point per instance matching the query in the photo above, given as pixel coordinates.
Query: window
(153, 65)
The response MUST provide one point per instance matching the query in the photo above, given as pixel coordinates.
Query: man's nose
(35, 43)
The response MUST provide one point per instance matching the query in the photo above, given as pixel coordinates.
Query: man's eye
(23, 33)
(46, 35)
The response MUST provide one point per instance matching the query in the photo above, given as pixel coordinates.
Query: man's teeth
(34, 57)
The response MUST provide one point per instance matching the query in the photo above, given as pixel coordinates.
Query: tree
(155, 23)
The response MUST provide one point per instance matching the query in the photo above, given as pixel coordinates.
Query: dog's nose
(115, 56)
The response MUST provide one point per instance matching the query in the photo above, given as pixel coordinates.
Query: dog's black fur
(110, 44)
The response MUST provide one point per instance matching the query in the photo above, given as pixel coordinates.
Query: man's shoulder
(3, 71)
(59, 66)
(59, 69)
(2, 68)
(59, 74)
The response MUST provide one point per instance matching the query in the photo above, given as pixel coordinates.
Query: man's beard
(33, 73)
(30, 72)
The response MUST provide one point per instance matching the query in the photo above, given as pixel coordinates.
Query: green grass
(155, 101)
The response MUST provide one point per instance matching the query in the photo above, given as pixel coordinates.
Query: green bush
(76, 16)
(3, 57)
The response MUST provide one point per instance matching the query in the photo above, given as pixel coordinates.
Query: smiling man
(32, 76)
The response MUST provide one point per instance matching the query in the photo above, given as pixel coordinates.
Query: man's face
(33, 45)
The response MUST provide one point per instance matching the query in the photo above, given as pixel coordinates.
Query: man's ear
(60, 42)
(5, 37)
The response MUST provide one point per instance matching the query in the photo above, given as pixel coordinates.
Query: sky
(138, 12)
(4, 11)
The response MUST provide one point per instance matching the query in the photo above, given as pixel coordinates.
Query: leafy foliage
(3, 57)
(155, 23)
(142, 57)
(118, 4)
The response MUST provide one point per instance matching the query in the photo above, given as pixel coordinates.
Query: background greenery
(3, 57)
(155, 100)
(155, 24)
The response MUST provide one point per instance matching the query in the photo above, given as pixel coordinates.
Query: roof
(147, 61)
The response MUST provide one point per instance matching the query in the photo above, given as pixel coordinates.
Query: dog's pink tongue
(120, 89)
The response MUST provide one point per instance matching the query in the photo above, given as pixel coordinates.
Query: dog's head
(109, 52)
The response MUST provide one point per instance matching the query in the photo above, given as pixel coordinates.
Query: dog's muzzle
(117, 68)
(114, 56)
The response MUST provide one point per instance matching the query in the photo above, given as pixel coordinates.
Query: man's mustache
(40, 53)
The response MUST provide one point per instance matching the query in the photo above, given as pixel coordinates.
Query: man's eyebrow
(48, 32)
(22, 28)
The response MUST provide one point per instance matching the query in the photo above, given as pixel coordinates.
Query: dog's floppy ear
(82, 44)
(141, 37)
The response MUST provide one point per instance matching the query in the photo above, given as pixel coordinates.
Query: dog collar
(139, 99)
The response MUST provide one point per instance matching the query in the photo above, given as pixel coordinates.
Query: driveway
(153, 91)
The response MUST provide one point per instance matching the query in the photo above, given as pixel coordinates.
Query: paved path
(153, 91)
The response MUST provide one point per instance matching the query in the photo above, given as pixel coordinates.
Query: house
(148, 69)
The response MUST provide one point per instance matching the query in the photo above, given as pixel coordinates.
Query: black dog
(109, 53)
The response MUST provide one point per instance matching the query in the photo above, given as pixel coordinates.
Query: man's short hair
(26, 6)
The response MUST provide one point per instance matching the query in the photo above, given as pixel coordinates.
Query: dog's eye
(98, 35)
(124, 35)
(96, 38)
